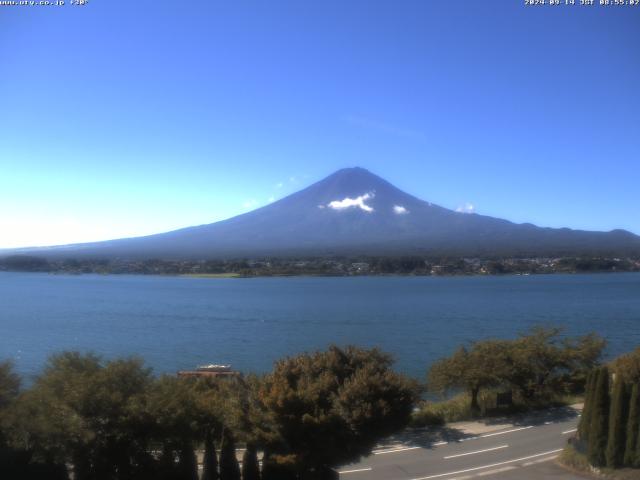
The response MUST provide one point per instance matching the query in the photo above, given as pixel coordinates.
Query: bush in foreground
(332, 407)
(535, 367)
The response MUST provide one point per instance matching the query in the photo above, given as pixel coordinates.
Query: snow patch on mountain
(352, 202)
(400, 210)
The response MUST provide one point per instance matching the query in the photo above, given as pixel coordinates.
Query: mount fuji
(351, 212)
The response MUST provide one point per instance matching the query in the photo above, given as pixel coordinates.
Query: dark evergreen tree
(81, 466)
(146, 467)
(273, 470)
(636, 459)
(267, 467)
(597, 446)
(188, 463)
(633, 426)
(167, 464)
(585, 419)
(229, 468)
(210, 460)
(618, 417)
(250, 466)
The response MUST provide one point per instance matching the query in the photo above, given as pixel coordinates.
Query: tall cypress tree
(585, 419)
(599, 423)
(636, 458)
(229, 468)
(633, 426)
(167, 464)
(188, 463)
(250, 466)
(210, 460)
(267, 466)
(618, 417)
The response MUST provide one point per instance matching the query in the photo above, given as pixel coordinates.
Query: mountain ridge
(354, 211)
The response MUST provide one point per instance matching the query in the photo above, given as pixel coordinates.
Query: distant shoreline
(209, 275)
(328, 266)
(226, 276)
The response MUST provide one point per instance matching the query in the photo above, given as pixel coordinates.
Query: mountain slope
(356, 212)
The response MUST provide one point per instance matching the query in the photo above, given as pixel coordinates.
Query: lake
(178, 322)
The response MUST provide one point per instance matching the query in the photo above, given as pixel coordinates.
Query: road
(524, 450)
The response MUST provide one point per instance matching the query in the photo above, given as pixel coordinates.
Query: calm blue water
(177, 323)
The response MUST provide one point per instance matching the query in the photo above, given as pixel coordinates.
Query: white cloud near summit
(400, 210)
(466, 208)
(352, 202)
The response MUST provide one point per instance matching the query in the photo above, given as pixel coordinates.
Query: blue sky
(128, 118)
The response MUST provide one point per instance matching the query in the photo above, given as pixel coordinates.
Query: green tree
(38, 436)
(80, 412)
(331, 407)
(536, 364)
(256, 426)
(10, 464)
(250, 466)
(470, 369)
(618, 417)
(582, 355)
(599, 420)
(9, 384)
(535, 360)
(633, 428)
(542, 363)
(172, 409)
(628, 366)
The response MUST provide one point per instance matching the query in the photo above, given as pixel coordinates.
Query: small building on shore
(210, 371)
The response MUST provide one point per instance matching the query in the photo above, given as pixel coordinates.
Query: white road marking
(485, 435)
(497, 470)
(507, 431)
(570, 431)
(496, 433)
(489, 466)
(394, 450)
(477, 451)
(368, 469)
(533, 462)
(391, 450)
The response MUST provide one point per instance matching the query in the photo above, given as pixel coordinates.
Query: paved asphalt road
(526, 450)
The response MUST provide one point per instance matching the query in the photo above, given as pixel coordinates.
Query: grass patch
(577, 461)
(212, 275)
(455, 409)
(458, 408)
